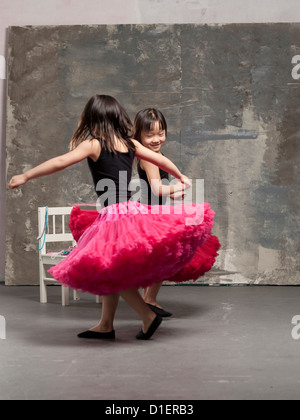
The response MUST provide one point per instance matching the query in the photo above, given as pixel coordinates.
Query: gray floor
(223, 343)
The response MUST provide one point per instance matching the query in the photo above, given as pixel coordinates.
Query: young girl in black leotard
(128, 246)
(150, 129)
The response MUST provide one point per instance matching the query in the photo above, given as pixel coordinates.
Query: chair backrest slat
(53, 214)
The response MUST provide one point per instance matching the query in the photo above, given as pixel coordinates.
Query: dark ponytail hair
(104, 117)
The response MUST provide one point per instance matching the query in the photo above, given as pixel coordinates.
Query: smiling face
(155, 138)
(150, 129)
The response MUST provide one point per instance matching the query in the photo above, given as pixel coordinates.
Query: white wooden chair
(50, 221)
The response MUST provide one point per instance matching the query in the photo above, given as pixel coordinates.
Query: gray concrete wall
(231, 103)
(67, 12)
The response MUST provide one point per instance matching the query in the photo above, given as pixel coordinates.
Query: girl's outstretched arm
(84, 150)
(161, 161)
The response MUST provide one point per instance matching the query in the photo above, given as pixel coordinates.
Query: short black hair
(145, 121)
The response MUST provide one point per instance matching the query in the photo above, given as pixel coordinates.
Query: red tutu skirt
(134, 245)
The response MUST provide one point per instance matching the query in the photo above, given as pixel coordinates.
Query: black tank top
(112, 175)
(147, 194)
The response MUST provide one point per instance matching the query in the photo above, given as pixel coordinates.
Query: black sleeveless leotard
(112, 175)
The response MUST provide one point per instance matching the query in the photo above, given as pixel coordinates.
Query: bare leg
(135, 300)
(109, 308)
(150, 294)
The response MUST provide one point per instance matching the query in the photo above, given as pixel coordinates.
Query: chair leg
(43, 291)
(65, 296)
(76, 295)
(99, 299)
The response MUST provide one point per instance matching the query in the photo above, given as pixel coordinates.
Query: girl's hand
(17, 181)
(178, 196)
(186, 181)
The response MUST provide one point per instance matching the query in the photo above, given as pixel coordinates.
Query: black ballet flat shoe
(159, 311)
(153, 327)
(98, 335)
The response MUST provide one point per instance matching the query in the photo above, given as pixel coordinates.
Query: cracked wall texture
(233, 112)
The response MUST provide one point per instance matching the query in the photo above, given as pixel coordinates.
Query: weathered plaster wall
(72, 12)
(232, 107)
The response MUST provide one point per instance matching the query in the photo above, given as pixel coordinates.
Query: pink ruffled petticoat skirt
(130, 244)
